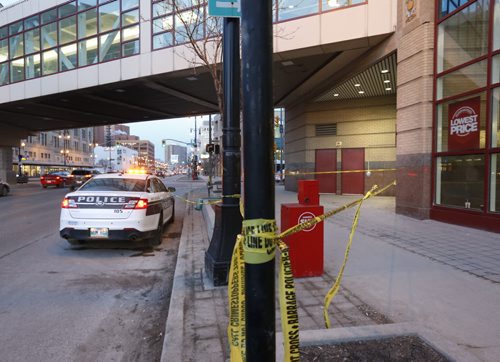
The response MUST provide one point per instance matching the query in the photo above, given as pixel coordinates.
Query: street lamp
(20, 158)
(93, 146)
(65, 151)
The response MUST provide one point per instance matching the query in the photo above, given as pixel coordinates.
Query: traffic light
(163, 143)
(217, 149)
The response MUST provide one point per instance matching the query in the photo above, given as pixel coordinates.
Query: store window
(461, 124)
(495, 183)
(495, 117)
(496, 26)
(495, 69)
(462, 80)
(463, 36)
(468, 107)
(460, 181)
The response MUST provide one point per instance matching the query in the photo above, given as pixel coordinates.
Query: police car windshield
(114, 184)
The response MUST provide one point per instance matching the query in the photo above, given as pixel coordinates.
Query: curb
(174, 328)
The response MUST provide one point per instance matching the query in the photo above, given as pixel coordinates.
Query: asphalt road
(98, 303)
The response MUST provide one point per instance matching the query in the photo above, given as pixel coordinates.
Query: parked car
(80, 176)
(4, 188)
(22, 178)
(54, 178)
(118, 206)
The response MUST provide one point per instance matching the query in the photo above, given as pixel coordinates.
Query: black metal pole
(258, 140)
(227, 216)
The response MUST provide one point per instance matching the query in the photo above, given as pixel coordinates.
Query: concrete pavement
(404, 277)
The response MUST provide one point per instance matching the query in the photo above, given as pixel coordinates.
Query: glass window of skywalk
(178, 22)
(72, 35)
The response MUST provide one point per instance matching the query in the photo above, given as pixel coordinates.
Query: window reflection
(4, 73)
(32, 41)
(67, 30)
(109, 46)
(335, 4)
(85, 4)
(163, 40)
(17, 70)
(49, 62)
(87, 52)
(129, 4)
(495, 183)
(67, 57)
(130, 33)
(495, 118)
(49, 36)
(33, 66)
(288, 9)
(16, 46)
(464, 36)
(4, 50)
(109, 16)
(188, 24)
(130, 48)
(87, 23)
(496, 26)
(131, 17)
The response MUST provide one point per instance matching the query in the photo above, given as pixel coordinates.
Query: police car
(117, 206)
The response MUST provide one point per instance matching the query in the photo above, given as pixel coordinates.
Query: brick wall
(415, 110)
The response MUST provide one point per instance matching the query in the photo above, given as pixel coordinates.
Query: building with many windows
(54, 150)
(145, 151)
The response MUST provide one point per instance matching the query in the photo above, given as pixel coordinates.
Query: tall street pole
(258, 144)
(210, 154)
(227, 216)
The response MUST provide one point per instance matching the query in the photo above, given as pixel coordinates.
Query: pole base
(218, 256)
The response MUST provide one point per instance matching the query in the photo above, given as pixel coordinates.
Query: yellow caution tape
(295, 173)
(288, 306)
(336, 286)
(257, 245)
(205, 201)
(236, 295)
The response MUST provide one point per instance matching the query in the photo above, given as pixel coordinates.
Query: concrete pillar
(6, 172)
(414, 107)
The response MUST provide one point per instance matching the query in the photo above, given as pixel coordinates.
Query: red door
(353, 182)
(326, 160)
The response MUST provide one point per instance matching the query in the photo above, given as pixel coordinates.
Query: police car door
(165, 198)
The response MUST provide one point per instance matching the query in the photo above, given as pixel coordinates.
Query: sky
(155, 131)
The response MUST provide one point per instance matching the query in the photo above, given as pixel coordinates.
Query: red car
(54, 178)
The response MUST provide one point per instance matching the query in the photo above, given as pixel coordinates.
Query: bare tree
(202, 34)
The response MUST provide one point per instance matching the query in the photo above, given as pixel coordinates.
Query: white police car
(117, 206)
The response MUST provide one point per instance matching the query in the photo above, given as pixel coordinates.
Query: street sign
(224, 8)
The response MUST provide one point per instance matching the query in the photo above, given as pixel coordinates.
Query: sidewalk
(404, 276)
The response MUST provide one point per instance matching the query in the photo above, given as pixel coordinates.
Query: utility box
(308, 192)
(306, 246)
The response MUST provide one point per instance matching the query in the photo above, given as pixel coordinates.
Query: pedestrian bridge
(68, 64)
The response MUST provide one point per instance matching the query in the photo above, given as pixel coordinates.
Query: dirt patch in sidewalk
(404, 348)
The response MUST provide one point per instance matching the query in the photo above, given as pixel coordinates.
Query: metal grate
(326, 129)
